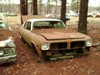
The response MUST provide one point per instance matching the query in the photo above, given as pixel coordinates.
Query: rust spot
(51, 34)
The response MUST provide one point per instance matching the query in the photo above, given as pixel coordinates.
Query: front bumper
(67, 53)
(8, 59)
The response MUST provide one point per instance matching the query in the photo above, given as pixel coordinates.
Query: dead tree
(63, 11)
(35, 7)
(82, 25)
(24, 7)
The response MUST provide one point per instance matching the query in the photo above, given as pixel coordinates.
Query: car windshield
(3, 25)
(48, 24)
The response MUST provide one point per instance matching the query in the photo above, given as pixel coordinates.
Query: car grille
(58, 46)
(65, 45)
(77, 44)
(64, 48)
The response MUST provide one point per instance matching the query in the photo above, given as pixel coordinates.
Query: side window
(25, 24)
(28, 27)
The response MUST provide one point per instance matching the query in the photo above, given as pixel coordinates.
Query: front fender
(35, 47)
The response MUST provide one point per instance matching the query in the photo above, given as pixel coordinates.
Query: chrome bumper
(7, 59)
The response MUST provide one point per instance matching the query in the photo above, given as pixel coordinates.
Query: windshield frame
(59, 23)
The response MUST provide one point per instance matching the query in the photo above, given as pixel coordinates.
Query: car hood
(51, 34)
(4, 34)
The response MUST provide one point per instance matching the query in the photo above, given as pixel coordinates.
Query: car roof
(43, 19)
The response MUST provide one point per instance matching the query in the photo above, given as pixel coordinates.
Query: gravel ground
(27, 61)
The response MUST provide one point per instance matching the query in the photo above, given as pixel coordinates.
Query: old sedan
(7, 46)
(50, 38)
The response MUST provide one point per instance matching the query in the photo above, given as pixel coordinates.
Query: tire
(34, 49)
(39, 59)
(22, 39)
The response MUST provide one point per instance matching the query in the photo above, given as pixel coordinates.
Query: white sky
(12, 1)
(91, 2)
(94, 3)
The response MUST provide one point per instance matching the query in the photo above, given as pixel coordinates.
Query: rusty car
(7, 44)
(51, 39)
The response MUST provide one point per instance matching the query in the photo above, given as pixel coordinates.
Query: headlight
(1, 53)
(9, 51)
(2, 43)
(7, 43)
(45, 46)
(88, 43)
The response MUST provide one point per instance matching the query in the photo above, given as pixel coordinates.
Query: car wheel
(22, 38)
(34, 49)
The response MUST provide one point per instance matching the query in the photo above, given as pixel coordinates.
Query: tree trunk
(1, 8)
(48, 6)
(56, 8)
(35, 7)
(82, 25)
(63, 11)
(40, 6)
(24, 7)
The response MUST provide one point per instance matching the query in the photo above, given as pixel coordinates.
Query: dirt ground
(27, 61)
